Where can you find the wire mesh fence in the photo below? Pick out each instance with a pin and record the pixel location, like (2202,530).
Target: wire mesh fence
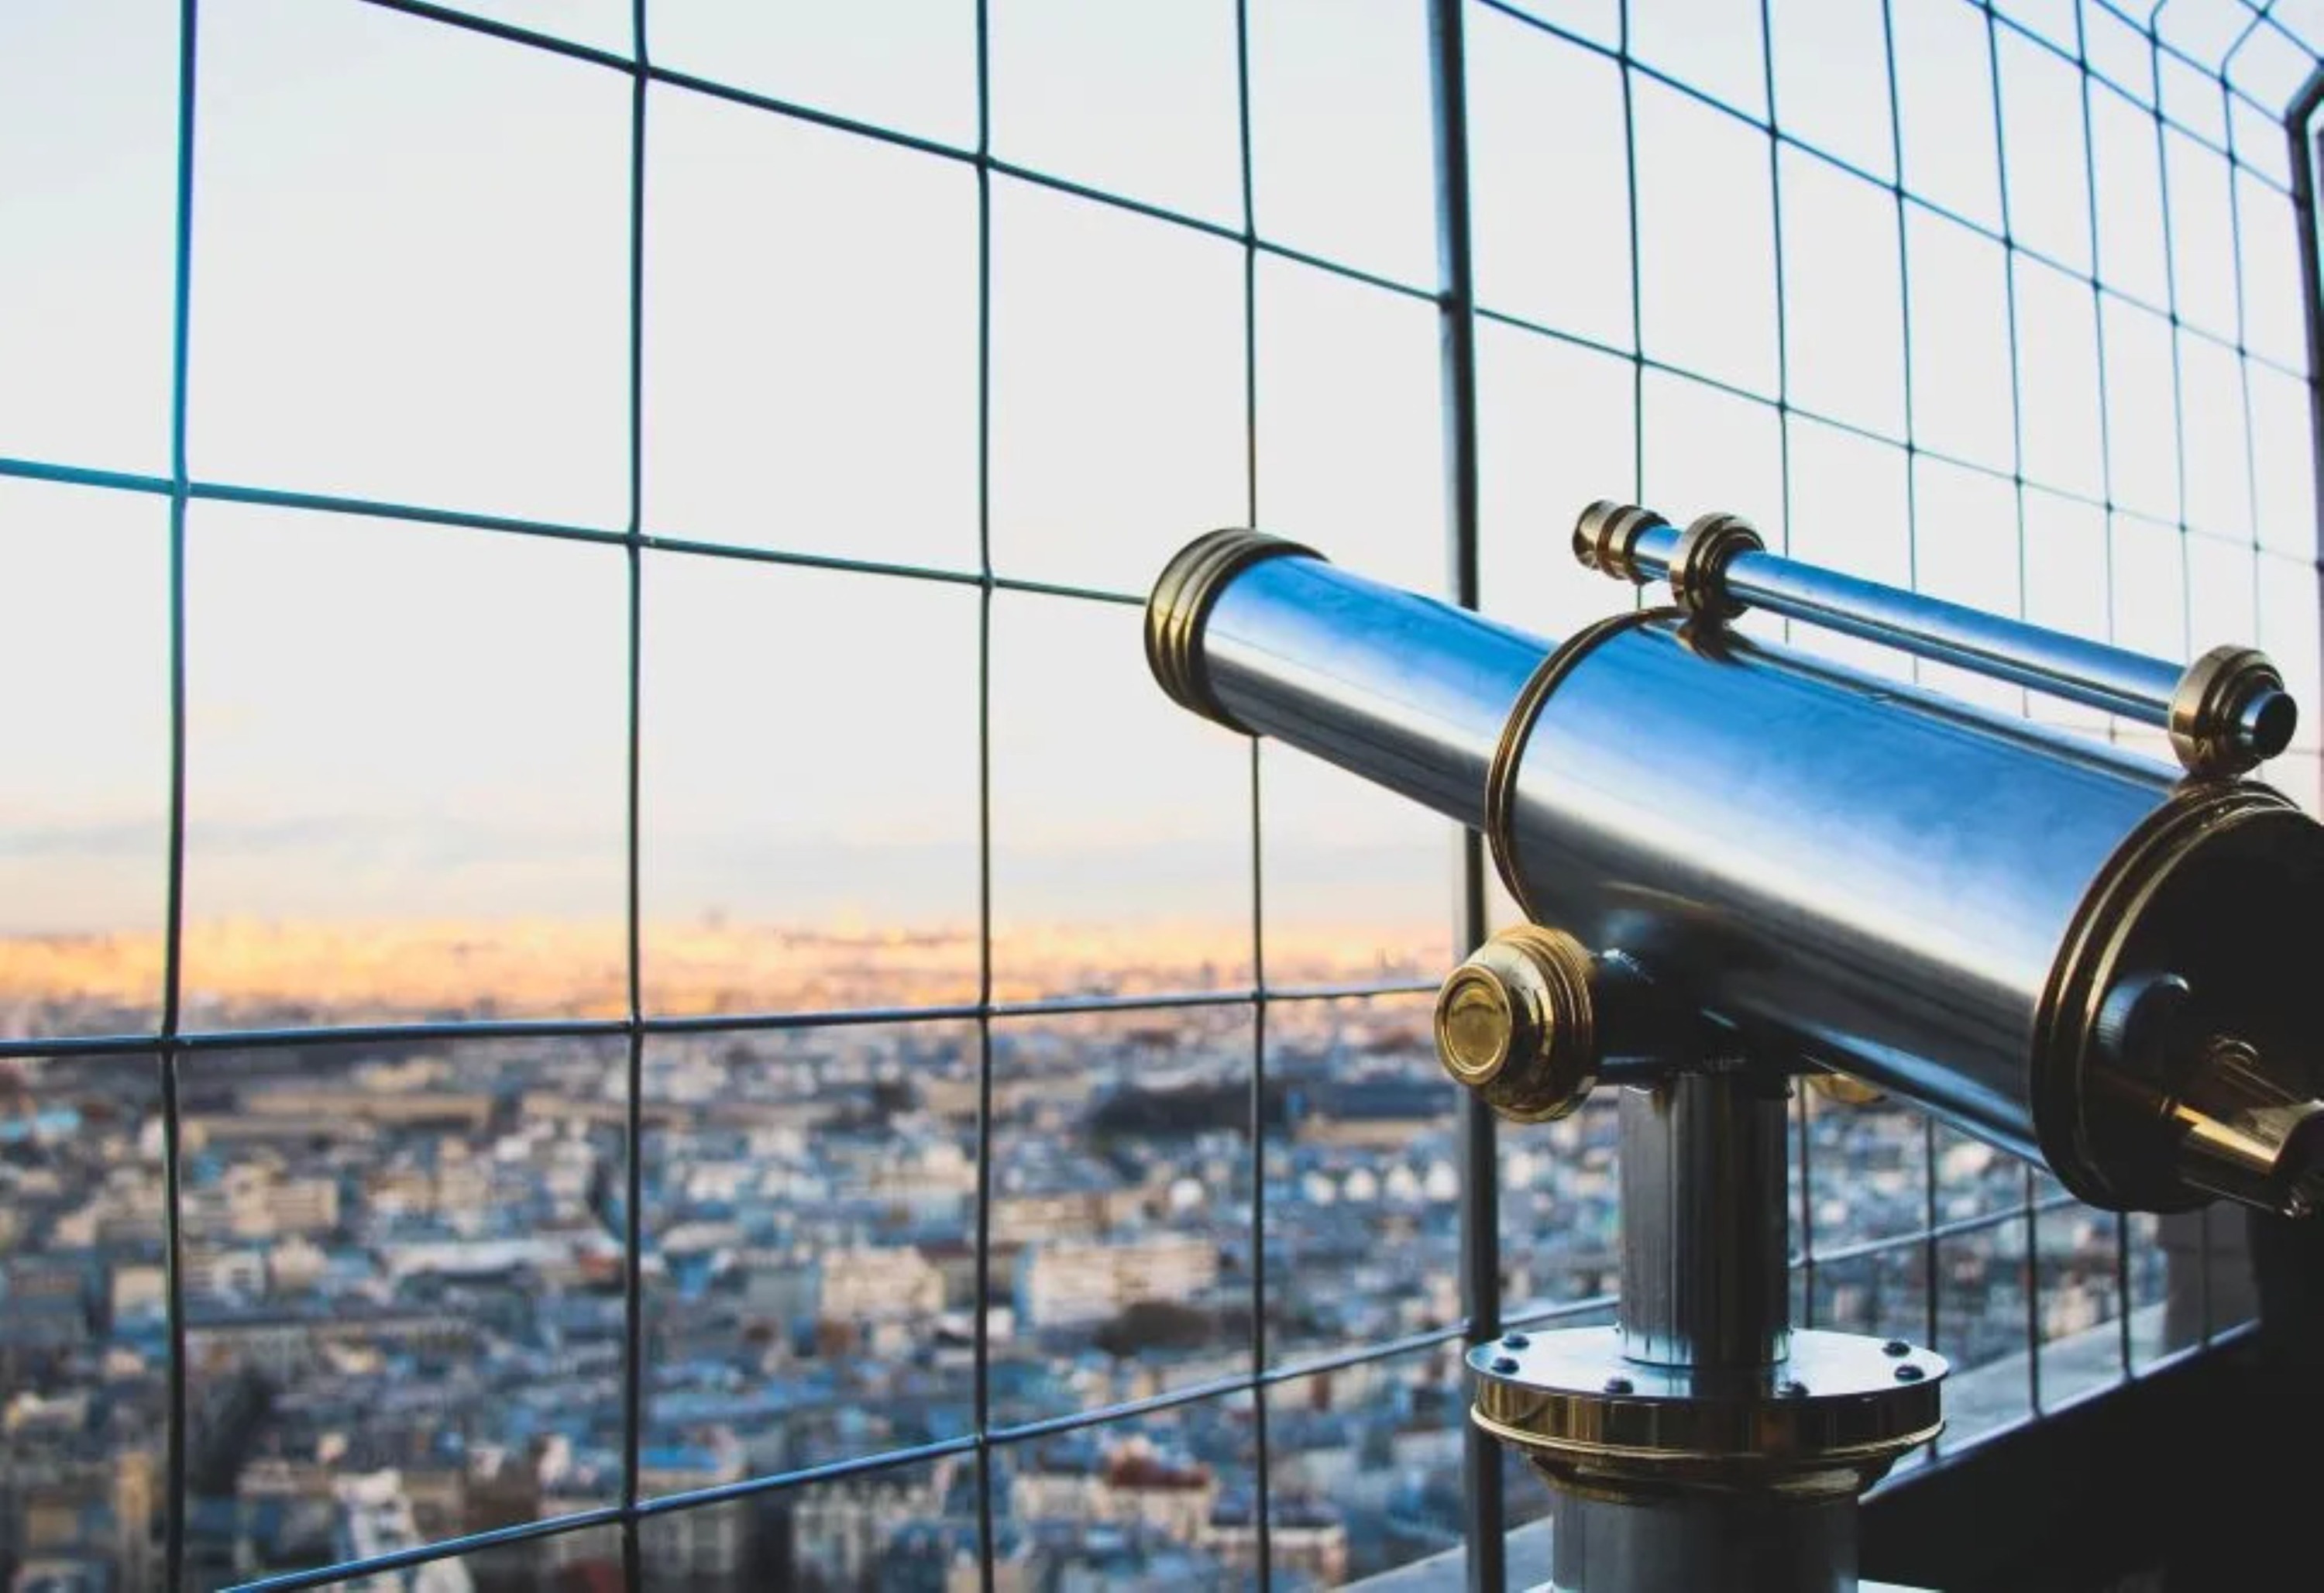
(578,439)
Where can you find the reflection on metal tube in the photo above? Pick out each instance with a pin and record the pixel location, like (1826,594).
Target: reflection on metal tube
(1937,900)
(1704,1278)
(1739,862)
(1266,637)
(2226,713)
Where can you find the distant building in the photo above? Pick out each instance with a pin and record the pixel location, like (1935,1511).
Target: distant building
(930,1176)
(840,1531)
(79,1526)
(470,1110)
(281,1345)
(219,1272)
(1306,1538)
(374,1518)
(1136,1485)
(1384,1114)
(138,1288)
(256,1199)
(1036,1216)
(776,1284)
(706,1548)
(50,1575)
(870,1284)
(1067,1283)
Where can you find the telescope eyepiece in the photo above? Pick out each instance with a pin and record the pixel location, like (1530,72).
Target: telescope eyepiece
(2267,722)
(2230,712)
(2248,1136)
(2235,1125)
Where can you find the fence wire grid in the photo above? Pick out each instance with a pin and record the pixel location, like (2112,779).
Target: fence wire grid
(2088,199)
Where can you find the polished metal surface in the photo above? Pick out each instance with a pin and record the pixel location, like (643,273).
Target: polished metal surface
(1839,1403)
(1861,873)
(1531,1023)
(1700,1443)
(1768,1543)
(1932,899)
(1180,608)
(1935,899)
(1701,1386)
(1733,1458)
(2227,713)
(1516,1023)
(1406,691)
(1697,1443)
(1501,774)
(2213,895)
(1607,533)
(2092,673)
(2230,712)
(2247,1135)
(1704,1280)
(1699,561)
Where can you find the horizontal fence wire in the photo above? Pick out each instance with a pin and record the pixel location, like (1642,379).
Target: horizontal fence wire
(379,1034)
(742,552)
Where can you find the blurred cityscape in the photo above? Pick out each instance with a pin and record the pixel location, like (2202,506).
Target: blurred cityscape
(405,1317)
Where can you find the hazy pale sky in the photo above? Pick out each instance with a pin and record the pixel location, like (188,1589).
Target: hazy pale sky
(411,283)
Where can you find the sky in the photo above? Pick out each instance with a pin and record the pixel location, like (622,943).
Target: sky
(411,283)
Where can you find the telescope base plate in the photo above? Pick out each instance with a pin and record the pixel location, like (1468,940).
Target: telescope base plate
(1831,1417)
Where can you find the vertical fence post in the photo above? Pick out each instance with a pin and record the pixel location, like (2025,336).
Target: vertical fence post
(1262,1492)
(634,1221)
(2304,152)
(1481,1282)
(980,1326)
(177,1507)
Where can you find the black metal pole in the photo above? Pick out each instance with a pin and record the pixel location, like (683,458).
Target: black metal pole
(2304,154)
(1480,1279)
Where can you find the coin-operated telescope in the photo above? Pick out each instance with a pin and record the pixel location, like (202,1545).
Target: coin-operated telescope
(1743,865)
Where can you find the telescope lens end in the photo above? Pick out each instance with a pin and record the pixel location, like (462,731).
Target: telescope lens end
(1181,602)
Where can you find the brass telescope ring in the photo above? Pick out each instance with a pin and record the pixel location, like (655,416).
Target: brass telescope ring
(1509,752)
(1182,599)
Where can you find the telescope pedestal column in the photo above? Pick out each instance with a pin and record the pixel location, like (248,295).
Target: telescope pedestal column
(1701,1541)
(1702,1443)
(1705,1274)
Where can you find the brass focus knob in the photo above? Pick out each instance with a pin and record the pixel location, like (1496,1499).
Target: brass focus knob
(1516,1023)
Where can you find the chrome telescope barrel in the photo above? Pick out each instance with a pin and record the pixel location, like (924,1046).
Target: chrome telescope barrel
(1265,638)
(2226,713)
(2063,947)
